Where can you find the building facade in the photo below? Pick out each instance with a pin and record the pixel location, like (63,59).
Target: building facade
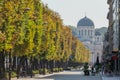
(91,39)
(111,53)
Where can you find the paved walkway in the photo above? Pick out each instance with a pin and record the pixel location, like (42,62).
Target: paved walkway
(110,78)
(40,76)
(72,75)
(65,75)
(69,75)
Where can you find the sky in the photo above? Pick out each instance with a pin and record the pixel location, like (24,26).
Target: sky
(71,11)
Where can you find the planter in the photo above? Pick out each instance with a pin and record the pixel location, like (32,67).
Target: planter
(86,73)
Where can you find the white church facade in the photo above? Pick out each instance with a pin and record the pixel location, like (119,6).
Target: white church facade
(91,39)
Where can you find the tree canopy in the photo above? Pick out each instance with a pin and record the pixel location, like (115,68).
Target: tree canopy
(30,28)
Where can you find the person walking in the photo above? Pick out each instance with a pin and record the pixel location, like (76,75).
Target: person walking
(93,70)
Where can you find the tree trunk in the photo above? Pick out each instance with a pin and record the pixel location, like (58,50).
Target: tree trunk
(2,66)
(14,63)
(20,65)
(44,66)
(10,64)
(27,68)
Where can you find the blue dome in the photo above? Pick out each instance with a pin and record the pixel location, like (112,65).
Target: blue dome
(85,22)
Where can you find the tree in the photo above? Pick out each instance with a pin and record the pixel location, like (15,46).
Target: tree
(97,64)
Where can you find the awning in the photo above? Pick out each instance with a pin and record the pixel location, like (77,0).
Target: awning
(114,52)
(114,57)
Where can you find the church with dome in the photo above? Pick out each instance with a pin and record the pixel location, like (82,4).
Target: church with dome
(90,38)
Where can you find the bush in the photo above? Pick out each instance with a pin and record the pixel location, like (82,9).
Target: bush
(86,66)
(55,69)
(41,71)
(35,71)
(13,74)
(60,69)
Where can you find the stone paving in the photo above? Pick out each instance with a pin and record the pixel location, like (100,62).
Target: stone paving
(110,78)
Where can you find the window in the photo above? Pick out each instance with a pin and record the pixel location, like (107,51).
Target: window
(85,32)
(98,39)
(91,32)
(79,32)
(98,54)
(82,32)
(88,32)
